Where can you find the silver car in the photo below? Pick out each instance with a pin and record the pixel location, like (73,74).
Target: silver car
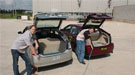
(54,46)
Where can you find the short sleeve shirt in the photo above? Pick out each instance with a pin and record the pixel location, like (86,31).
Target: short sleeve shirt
(81,36)
(22,42)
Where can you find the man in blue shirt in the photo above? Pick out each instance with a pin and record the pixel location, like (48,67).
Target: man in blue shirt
(19,47)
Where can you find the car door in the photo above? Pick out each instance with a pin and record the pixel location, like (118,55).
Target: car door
(71,32)
(74,32)
(66,30)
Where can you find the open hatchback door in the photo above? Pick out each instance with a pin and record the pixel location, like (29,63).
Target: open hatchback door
(95,20)
(42,21)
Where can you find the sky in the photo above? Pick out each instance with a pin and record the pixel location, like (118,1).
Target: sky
(16,4)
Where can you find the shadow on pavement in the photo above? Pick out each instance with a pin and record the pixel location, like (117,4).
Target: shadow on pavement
(46,68)
(23,72)
(98,57)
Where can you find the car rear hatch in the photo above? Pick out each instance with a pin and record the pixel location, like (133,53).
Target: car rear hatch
(43,21)
(101,39)
(50,39)
(95,20)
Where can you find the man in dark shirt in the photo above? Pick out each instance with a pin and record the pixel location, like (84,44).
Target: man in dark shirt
(82,38)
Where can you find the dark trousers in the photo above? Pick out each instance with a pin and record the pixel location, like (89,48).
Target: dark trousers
(15,56)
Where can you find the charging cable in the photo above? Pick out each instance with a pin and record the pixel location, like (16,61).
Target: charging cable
(88,62)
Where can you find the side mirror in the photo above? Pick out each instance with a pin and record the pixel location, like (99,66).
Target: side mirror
(20,32)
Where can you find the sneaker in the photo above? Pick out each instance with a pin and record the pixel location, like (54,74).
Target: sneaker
(83,62)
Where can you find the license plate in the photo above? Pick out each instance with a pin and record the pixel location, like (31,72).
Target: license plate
(56,57)
(103,49)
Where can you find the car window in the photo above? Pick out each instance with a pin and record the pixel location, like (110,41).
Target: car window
(47,23)
(94,21)
(68,29)
(74,30)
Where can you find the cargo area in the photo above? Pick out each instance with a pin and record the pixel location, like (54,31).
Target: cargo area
(51,43)
(100,39)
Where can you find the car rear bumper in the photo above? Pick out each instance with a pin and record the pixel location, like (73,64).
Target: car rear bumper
(46,60)
(99,50)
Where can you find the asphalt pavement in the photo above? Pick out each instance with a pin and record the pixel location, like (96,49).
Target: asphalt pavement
(120,62)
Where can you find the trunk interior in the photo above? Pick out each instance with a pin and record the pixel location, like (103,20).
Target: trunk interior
(51,42)
(100,39)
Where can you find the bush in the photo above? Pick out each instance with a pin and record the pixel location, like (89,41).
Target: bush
(11,16)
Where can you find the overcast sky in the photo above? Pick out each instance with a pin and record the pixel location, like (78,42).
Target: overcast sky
(18,4)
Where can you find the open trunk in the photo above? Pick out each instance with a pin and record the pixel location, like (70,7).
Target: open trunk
(100,39)
(51,43)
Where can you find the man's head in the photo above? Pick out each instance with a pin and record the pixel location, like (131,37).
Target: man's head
(33,29)
(91,30)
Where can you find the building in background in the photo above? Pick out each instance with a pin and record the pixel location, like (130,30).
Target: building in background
(77,7)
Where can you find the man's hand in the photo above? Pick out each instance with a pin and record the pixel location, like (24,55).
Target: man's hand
(92,47)
(36,55)
(33,51)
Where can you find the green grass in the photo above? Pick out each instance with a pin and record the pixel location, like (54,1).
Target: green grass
(11,16)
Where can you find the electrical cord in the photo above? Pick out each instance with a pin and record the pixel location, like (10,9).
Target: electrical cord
(36,73)
(88,62)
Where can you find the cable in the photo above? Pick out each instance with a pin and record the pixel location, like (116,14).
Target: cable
(36,73)
(88,62)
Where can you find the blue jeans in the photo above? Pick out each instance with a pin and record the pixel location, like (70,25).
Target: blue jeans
(15,56)
(80,50)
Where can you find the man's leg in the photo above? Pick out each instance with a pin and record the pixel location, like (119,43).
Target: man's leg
(82,51)
(15,56)
(79,50)
(27,62)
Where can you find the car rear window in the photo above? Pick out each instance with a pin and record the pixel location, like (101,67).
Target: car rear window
(47,23)
(94,21)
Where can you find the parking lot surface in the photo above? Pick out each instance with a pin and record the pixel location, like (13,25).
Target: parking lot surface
(120,62)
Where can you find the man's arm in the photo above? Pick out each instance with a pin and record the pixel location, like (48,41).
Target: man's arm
(35,41)
(89,42)
(33,50)
(36,44)
(87,38)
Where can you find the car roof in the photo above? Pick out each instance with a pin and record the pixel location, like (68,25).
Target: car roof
(98,16)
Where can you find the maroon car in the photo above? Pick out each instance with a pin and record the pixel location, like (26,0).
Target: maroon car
(101,39)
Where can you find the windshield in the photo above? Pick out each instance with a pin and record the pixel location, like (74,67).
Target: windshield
(94,22)
(47,23)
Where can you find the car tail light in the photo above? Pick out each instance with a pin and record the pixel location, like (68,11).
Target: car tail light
(69,46)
